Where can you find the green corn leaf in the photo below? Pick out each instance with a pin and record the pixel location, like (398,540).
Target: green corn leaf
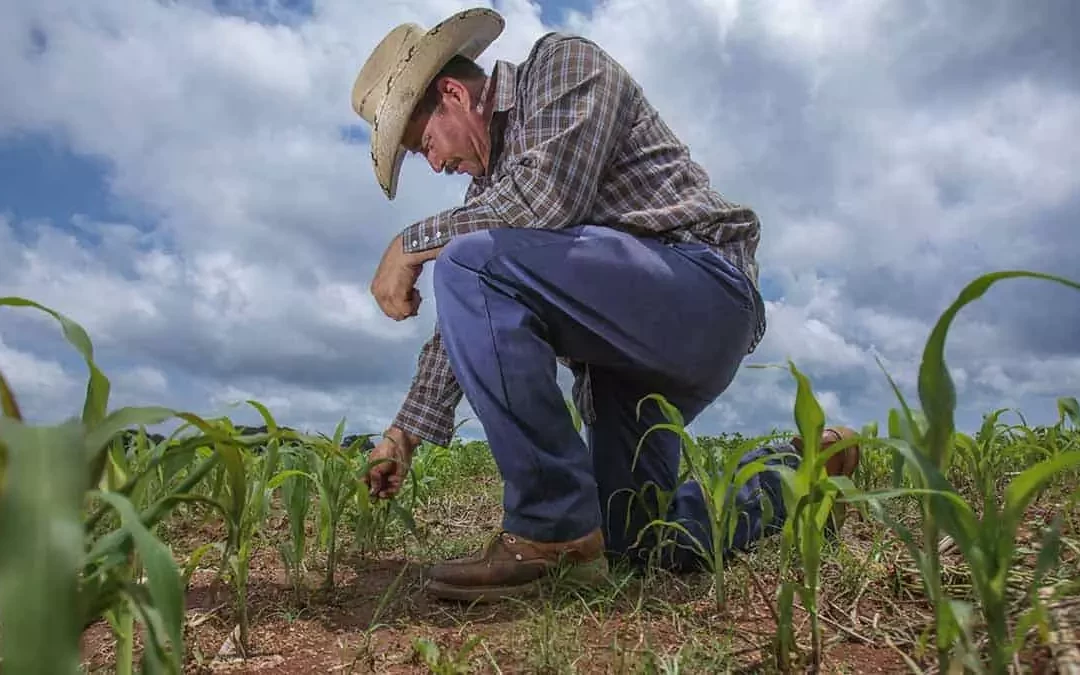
(339,432)
(951,511)
(1024,487)
(271,423)
(694,544)
(282,476)
(173,461)
(936,391)
(809,417)
(884,495)
(896,424)
(41,547)
(163,576)
(404,516)
(9,408)
(196,557)
(117,467)
(1049,550)
(101,435)
(232,458)
(156,512)
(8,405)
(676,428)
(1069,408)
(116,422)
(97,388)
(897,459)
(575,415)
(156,659)
(670,412)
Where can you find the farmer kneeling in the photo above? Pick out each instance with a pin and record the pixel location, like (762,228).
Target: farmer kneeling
(588,236)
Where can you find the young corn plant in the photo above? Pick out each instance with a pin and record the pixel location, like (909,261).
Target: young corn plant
(372,518)
(252,478)
(987,543)
(61,569)
(1062,436)
(335,472)
(720,478)
(986,456)
(296,493)
(123,463)
(810,497)
(428,461)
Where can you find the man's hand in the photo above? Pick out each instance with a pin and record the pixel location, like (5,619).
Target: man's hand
(385,479)
(394,285)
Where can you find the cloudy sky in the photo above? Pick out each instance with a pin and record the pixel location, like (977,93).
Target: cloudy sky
(188,181)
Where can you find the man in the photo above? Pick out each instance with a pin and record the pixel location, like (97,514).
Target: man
(588,236)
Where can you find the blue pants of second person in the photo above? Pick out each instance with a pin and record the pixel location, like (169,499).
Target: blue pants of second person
(648,317)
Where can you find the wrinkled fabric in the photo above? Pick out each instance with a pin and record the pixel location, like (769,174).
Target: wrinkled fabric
(648,317)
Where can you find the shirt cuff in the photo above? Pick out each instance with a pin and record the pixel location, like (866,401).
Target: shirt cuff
(431,232)
(435,430)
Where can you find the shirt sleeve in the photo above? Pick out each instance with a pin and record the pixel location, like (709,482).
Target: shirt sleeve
(428,410)
(572,108)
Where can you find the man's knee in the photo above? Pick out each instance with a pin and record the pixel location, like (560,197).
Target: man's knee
(474,251)
(470,251)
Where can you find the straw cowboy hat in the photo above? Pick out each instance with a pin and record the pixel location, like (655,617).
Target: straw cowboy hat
(398,71)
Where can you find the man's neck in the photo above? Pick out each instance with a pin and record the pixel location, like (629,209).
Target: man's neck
(487,112)
(487,98)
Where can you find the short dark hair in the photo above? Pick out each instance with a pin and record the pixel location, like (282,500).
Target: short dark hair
(459,68)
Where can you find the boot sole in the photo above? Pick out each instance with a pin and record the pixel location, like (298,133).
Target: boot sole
(481,594)
(584,573)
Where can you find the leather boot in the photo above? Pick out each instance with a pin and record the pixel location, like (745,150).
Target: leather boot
(512,566)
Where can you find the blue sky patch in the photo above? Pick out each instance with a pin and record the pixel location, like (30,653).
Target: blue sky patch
(43,180)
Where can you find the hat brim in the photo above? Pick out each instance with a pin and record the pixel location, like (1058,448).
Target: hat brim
(467,33)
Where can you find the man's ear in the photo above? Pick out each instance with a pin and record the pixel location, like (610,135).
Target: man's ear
(454,91)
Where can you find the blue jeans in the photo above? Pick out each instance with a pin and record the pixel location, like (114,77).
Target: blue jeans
(647,317)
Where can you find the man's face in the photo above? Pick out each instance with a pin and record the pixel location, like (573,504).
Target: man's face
(453,137)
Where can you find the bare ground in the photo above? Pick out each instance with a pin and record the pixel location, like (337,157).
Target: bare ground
(872,610)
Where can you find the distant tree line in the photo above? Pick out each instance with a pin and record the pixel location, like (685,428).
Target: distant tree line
(130,435)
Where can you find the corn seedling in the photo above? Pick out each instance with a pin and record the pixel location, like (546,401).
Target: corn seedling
(296,492)
(373,517)
(810,501)
(251,480)
(61,571)
(124,462)
(445,663)
(336,472)
(720,478)
(986,456)
(988,544)
(428,461)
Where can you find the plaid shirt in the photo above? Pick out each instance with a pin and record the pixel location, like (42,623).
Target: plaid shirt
(574,141)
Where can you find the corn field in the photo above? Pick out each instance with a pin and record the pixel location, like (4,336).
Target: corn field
(97,520)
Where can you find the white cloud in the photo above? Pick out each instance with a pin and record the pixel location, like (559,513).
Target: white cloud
(143,379)
(887,168)
(37,383)
(811,341)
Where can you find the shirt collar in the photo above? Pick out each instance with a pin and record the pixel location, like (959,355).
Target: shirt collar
(505,74)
